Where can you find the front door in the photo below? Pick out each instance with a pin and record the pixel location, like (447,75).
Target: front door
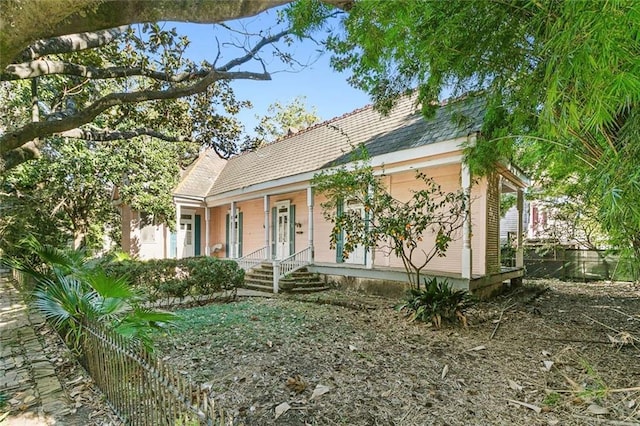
(186,229)
(357,256)
(283,230)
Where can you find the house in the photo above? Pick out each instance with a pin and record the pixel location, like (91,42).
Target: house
(261,206)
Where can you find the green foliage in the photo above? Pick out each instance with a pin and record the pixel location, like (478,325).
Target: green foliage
(163,278)
(552,399)
(568,115)
(72,290)
(506,202)
(437,301)
(280,118)
(58,198)
(401,226)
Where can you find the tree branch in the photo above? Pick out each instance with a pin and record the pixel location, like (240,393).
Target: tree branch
(17,138)
(254,50)
(43,67)
(70,43)
(101,135)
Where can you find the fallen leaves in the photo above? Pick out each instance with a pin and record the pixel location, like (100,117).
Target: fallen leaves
(526,405)
(515,386)
(319,391)
(597,409)
(281,409)
(296,384)
(360,364)
(445,370)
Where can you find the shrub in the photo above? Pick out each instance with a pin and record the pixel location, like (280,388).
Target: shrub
(194,276)
(72,290)
(437,301)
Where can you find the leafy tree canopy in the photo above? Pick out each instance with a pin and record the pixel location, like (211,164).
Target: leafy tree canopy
(282,118)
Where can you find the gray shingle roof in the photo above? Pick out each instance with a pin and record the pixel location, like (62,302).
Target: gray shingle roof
(200,176)
(331,142)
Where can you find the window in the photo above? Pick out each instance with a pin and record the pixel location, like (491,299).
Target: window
(147,228)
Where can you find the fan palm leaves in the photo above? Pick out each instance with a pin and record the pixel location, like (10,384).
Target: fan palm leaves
(72,290)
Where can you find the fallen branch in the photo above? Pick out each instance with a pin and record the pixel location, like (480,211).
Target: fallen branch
(526,405)
(495,329)
(610,328)
(551,339)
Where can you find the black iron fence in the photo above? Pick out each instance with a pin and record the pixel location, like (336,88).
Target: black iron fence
(141,388)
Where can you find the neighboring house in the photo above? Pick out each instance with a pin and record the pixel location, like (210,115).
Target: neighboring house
(509,223)
(260,205)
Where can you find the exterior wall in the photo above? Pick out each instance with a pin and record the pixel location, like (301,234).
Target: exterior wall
(401,187)
(125,220)
(484,213)
(322,234)
(253,222)
(217,229)
(148,242)
(252,225)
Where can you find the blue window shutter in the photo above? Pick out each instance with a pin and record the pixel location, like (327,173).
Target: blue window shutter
(340,239)
(240,234)
(226,238)
(196,236)
(274,224)
(292,229)
(173,245)
(366,226)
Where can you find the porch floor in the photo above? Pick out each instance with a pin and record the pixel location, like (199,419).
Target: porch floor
(477,283)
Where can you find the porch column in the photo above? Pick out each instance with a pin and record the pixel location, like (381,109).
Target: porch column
(466,223)
(370,251)
(310,224)
(179,242)
(267,243)
(207,249)
(520,228)
(233,252)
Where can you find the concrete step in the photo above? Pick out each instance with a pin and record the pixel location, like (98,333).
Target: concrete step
(258,275)
(258,281)
(302,290)
(257,287)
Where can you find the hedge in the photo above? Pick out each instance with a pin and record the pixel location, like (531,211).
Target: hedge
(193,276)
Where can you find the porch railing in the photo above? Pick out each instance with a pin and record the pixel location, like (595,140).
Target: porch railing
(254,258)
(290,264)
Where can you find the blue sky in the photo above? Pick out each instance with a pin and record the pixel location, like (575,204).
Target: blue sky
(323,87)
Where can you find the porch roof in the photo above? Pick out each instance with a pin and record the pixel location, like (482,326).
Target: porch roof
(330,143)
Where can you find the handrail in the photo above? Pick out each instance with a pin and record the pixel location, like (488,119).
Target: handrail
(254,258)
(294,262)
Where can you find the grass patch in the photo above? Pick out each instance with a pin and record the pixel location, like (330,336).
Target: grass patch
(248,324)
(552,399)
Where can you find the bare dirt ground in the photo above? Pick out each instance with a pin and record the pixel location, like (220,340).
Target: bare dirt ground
(548,353)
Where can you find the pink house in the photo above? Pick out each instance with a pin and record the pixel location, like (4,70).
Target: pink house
(260,206)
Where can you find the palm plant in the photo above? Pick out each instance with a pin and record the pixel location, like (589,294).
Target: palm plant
(438,300)
(72,291)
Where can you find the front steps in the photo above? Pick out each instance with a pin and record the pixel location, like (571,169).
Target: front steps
(300,281)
